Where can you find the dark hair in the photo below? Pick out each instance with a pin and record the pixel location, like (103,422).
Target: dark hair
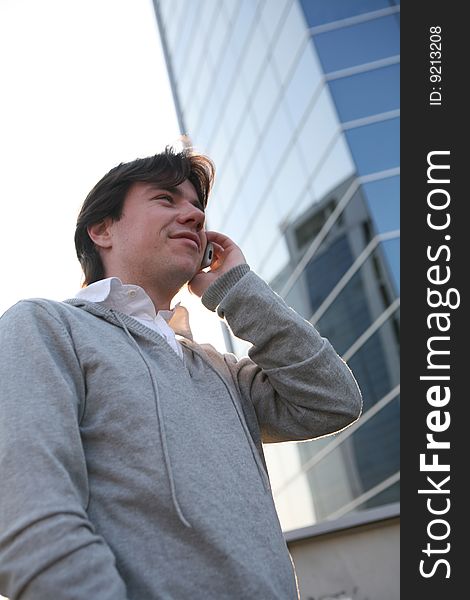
(166,169)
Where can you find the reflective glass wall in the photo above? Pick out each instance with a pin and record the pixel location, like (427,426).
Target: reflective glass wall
(297,102)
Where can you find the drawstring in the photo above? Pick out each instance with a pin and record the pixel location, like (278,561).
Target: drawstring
(241,417)
(166,454)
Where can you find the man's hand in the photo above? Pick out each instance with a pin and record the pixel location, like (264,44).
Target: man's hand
(226,256)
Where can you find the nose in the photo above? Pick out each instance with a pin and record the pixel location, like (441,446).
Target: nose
(191,214)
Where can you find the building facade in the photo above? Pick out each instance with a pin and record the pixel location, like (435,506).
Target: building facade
(297,103)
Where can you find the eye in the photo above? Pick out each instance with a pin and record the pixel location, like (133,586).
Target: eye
(165,197)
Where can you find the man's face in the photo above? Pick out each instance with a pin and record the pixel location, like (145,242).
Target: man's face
(159,237)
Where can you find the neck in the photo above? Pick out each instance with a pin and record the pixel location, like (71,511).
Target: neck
(161,301)
(161,292)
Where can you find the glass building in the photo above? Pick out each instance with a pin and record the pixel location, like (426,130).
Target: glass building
(297,103)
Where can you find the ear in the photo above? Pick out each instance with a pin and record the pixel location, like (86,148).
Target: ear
(100,233)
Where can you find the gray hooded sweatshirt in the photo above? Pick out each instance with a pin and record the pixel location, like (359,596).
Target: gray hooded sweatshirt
(128,473)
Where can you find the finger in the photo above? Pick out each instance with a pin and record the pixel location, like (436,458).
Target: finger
(218,249)
(219,238)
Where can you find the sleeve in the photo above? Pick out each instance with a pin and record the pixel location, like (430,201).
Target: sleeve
(300,388)
(48,547)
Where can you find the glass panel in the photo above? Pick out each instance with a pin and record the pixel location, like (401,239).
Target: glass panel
(276,140)
(185,84)
(202,135)
(227,65)
(251,250)
(387,496)
(332,260)
(265,96)
(391,250)
(318,129)
(244,206)
(200,67)
(367,93)
(303,84)
(217,38)
(274,261)
(294,504)
(227,182)
(234,108)
(227,69)
(290,39)
(371,454)
(289,183)
(231,7)
(210,108)
(253,59)
(214,211)
(165,7)
(358,304)
(192,113)
(335,168)
(318,13)
(375,147)
(246,141)
(186,35)
(265,225)
(383,201)
(329,161)
(361,462)
(321,275)
(271,14)
(202,83)
(272,255)
(218,144)
(376,364)
(358,44)
(194,53)
(245,17)
(367,292)
(175,21)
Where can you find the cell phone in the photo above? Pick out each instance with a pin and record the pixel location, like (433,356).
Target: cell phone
(208,256)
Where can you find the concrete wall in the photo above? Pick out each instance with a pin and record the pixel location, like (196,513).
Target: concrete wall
(355,563)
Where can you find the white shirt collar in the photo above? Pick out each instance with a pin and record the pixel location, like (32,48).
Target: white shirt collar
(127,298)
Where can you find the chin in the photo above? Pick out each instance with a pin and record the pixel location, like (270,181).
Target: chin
(186,269)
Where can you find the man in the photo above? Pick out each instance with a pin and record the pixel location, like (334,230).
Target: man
(131,462)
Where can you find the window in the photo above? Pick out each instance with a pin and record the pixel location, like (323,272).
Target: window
(391,250)
(253,59)
(234,109)
(358,44)
(303,84)
(289,40)
(383,201)
(289,185)
(336,167)
(277,135)
(368,93)
(185,38)
(366,459)
(271,14)
(244,18)
(375,147)
(245,199)
(318,129)
(265,96)
(326,11)
(245,142)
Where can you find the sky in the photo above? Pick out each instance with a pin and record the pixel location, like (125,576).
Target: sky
(84,87)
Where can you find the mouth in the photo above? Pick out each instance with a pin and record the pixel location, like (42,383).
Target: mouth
(188,235)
